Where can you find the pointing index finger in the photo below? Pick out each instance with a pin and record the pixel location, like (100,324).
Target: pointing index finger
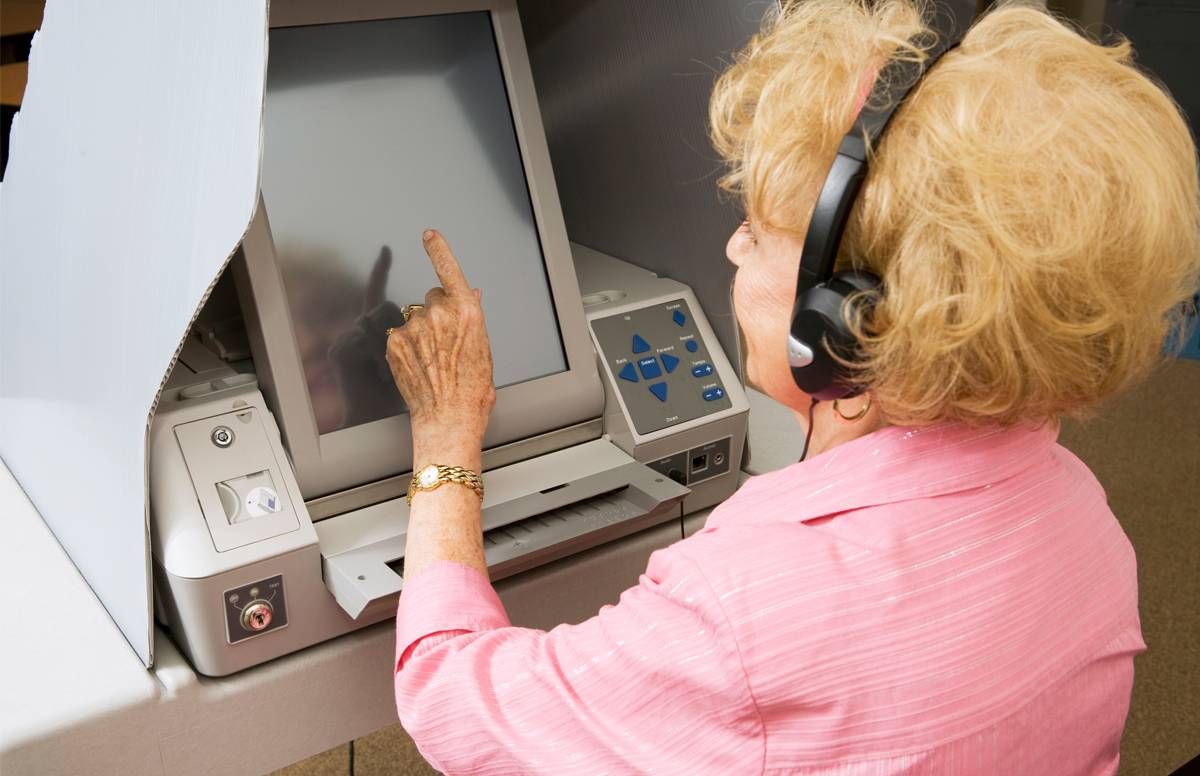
(444,264)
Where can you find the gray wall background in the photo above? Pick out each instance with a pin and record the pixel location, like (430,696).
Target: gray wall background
(624,87)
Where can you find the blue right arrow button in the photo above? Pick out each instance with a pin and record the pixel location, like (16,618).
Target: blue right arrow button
(659,390)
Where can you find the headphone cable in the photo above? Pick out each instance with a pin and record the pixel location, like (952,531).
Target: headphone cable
(808,434)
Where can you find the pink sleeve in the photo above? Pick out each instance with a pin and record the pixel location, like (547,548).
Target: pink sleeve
(654,683)
(445,599)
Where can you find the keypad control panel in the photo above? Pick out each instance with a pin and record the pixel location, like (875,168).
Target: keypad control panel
(661,364)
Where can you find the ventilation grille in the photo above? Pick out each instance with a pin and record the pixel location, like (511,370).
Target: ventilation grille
(593,513)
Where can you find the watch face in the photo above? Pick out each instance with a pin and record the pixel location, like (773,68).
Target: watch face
(428,476)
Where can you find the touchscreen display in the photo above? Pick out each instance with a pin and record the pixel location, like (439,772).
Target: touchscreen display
(373,132)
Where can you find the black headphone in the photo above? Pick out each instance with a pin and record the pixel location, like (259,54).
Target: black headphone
(820,333)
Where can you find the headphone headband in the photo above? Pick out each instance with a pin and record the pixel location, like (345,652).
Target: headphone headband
(820,341)
(849,170)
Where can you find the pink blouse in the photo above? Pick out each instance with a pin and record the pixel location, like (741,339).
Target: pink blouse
(939,600)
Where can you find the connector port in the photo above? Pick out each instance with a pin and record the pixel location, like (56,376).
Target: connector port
(699,463)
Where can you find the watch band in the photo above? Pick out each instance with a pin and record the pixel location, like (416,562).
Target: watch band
(434,475)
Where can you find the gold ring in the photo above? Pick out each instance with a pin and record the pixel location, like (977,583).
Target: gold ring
(408,309)
(392,329)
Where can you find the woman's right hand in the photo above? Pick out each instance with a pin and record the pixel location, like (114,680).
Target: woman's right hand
(441,361)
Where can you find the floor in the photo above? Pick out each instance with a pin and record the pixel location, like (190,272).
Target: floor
(388,752)
(1155,495)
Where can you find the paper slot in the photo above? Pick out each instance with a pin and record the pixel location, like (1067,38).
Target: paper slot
(248,497)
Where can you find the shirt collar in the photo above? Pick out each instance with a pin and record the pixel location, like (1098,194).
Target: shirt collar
(887,466)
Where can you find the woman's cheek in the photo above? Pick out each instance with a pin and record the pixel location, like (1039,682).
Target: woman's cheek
(764,310)
(764,325)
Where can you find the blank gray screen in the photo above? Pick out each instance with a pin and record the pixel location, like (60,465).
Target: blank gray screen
(375,131)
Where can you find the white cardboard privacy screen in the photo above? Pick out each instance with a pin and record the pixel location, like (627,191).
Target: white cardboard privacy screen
(132,176)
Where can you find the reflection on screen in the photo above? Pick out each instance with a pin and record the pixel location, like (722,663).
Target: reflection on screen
(375,131)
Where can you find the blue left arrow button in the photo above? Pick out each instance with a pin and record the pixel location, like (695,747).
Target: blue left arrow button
(628,373)
(659,390)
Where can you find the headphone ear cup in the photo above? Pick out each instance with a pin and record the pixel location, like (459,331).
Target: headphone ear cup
(855,280)
(820,322)
(861,290)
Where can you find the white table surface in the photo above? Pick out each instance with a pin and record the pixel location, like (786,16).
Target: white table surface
(74,698)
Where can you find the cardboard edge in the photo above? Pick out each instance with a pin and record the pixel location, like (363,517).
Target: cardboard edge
(174,359)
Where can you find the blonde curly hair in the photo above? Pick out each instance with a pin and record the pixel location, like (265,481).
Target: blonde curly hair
(1033,209)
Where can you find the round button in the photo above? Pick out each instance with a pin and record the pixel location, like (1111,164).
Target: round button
(222,436)
(257,615)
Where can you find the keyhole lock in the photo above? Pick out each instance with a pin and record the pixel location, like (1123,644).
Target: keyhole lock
(222,436)
(257,615)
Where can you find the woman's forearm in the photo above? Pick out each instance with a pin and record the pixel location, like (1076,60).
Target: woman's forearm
(445,523)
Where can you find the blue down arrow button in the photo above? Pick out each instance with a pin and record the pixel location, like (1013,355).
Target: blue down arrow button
(659,390)
(628,373)
(669,362)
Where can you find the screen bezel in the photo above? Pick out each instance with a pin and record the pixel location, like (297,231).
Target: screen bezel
(350,457)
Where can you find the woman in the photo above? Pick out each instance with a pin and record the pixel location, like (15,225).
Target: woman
(938,587)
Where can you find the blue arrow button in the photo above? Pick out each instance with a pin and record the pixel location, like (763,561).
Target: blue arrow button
(659,390)
(640,345)
(669,362)
(679,318)
(628,373)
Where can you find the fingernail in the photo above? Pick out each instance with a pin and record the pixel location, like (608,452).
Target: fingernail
(427,235)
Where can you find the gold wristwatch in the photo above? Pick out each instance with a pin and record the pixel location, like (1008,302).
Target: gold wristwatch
(434,475)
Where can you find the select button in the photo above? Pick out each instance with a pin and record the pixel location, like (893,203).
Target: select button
(649,368)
